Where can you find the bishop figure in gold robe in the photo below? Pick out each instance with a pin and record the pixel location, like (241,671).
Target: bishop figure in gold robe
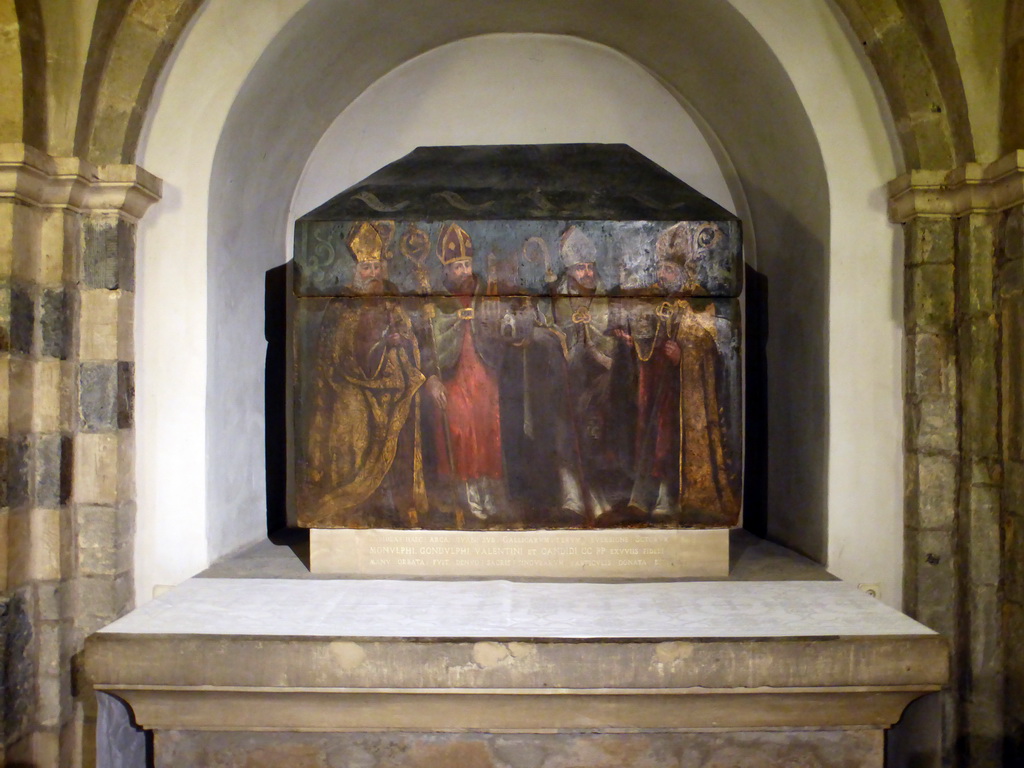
(364,465)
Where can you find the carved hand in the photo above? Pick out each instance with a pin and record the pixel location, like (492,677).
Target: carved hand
(436,391)
(672,351)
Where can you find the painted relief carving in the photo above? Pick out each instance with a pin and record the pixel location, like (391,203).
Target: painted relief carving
(517,337)
(363,456)
(500,374)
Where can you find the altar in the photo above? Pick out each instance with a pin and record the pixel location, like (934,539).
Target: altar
(373,672)
(515,441)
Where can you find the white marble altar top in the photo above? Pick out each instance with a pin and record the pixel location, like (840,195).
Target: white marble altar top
(515,610)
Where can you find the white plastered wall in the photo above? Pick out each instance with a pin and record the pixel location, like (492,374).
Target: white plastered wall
(519,89)
(180,531)
(179,142)
(865,358)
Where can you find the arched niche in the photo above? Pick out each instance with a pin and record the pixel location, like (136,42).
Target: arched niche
(790,118)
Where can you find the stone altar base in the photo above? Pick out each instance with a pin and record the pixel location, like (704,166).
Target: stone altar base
(332,673)
(568,554)
(763,749)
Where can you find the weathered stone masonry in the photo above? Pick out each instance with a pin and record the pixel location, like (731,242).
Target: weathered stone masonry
(962,394)
(66,298)
(1011,393)
(66,529)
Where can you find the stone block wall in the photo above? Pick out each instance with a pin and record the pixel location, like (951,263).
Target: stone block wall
(932,436)
(66,392)
(964,405)
(1010,308)
(38,454)
(979,529)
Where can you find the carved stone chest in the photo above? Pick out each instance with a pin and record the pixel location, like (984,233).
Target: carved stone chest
(505,338)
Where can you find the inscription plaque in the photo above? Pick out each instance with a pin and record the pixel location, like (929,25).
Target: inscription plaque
(636,553)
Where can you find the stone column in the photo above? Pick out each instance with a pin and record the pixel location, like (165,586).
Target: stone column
(67,570)
(960,389)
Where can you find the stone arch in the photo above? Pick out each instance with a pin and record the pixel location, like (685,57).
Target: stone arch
(1012,128)
(22,69)
(662,40)
(902,40)
(122,73)
(912,56)
(105,27)
(11,85)
(903,57)
(132,43)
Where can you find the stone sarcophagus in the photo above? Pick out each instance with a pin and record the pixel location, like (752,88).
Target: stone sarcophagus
(517,338)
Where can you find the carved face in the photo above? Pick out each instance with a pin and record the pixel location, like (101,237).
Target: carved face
(458,276)
(670,276)
(369,277)
(583,275)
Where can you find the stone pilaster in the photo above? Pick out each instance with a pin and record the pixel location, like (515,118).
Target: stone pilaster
(964,383)
(932,437)
(36,525)
(103,471)
(980,530)
(1010,292)
(65,426)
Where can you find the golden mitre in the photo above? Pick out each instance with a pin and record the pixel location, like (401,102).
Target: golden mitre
(576,247)
(453,244)
(365,242)
(675,245)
